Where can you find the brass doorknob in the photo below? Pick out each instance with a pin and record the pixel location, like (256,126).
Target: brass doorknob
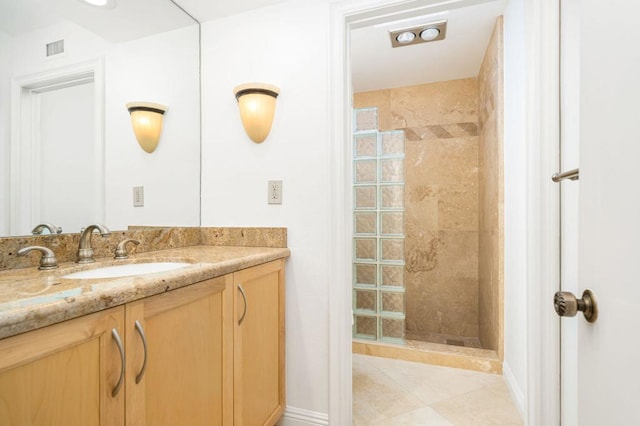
(567,305)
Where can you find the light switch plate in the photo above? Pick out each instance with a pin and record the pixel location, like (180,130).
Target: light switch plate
(138,196)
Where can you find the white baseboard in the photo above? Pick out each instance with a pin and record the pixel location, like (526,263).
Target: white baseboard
(299,417)
(516,392)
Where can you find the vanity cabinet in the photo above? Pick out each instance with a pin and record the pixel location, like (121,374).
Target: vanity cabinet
(258,342)
(188,372)
(211,353)
(64,374)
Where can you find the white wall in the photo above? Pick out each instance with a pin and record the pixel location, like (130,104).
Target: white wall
(515,203)
(161,69)
(286,45)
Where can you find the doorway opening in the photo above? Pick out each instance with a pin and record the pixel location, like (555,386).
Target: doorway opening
(57,143)
(427,172)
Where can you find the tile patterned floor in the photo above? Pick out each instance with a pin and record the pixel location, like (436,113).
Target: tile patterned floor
(396,393)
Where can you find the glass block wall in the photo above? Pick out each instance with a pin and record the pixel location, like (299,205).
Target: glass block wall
(378,242)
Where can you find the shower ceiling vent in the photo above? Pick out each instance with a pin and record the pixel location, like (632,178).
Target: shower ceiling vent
(432,31)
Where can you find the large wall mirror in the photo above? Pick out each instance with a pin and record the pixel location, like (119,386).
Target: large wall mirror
(68,154)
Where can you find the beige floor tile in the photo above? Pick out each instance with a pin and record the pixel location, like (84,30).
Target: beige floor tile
(395,392)
(489,405)
(422,416)
(376,396)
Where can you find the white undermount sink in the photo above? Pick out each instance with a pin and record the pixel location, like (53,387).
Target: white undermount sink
(127,270)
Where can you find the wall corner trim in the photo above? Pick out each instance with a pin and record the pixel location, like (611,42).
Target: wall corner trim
(294,416)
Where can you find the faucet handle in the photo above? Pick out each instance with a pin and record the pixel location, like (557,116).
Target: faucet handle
(47,261)
(121,249)
(42,226)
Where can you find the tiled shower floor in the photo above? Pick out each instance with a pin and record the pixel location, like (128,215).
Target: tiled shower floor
(393,392)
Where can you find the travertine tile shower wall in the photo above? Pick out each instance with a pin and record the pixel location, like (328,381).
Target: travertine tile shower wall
(491,195)
(441,200)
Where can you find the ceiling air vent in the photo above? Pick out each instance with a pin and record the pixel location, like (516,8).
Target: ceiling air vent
(55,48)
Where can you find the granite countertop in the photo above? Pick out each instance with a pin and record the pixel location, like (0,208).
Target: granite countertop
(31,299)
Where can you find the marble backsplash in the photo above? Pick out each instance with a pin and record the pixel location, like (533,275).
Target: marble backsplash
(65,246)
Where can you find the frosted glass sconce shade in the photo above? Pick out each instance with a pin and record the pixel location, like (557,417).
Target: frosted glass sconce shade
(257,103)
(146,119)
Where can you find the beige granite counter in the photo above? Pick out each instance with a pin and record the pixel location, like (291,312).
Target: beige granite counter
(31,299)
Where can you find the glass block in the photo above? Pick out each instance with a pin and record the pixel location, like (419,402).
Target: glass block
(393,302)
(392,142)
(365,171)
(366,222)
(367,300)
(391,223)
(392,275)
(392,249)
(366,145)
(364,274)
(392,328)
(366,326)
(365,197)
(392,170)
(392,196)
(365,248)
(366,119)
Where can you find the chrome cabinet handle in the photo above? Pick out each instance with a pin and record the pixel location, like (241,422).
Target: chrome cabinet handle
(116,338)
(144,345)
(244,297)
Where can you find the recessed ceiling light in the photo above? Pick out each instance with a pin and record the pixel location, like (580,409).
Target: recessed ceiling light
(405,37)
(430,34)
(103,4)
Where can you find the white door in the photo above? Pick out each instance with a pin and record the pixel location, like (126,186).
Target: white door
(608,373)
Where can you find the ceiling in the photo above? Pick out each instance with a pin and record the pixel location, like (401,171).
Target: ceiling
(376,65)
(132,16)
(129,20)
(206,10)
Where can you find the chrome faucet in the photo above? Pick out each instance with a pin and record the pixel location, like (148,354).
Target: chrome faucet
(51,227)
(85,252)
(48,259)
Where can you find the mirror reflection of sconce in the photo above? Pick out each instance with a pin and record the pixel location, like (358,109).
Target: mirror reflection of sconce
(257,103)
(146,119)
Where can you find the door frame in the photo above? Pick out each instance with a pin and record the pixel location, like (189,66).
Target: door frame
(541,111)
(25,139)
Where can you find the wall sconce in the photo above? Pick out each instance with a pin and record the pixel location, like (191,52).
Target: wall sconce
(146,119)
(257,103)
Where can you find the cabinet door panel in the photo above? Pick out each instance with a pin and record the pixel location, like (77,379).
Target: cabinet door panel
(259,345)
(184,379)
(63,374)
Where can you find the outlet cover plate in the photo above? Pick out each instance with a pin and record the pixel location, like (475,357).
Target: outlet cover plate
(274,193)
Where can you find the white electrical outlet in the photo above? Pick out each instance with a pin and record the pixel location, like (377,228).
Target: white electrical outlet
(138,196)
(275,192)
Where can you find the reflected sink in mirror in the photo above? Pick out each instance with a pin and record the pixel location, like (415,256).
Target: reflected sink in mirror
(127,270)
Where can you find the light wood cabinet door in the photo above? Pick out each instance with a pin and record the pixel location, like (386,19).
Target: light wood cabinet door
(64,374)
(259,357)
(189,365)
